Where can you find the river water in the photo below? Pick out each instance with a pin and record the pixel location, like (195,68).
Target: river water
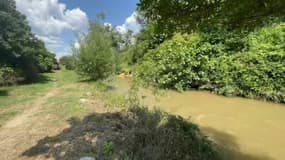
(249,129)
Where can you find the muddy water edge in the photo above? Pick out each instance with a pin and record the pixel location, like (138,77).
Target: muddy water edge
(249,129)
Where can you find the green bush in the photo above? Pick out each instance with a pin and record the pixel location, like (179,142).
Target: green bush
(7,76)
(46,62)
(250,65)
(69,62)
(96,56)
(178,63)
(108,148)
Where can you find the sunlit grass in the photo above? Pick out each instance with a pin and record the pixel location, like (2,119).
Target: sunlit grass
(19,97)
(65,103)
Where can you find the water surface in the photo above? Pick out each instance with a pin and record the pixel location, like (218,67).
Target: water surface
(251,129)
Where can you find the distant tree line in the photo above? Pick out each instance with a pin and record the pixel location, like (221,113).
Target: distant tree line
(22,55)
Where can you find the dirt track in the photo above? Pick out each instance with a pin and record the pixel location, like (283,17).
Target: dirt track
(24,130)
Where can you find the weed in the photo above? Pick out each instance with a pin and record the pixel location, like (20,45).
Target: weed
(108,148)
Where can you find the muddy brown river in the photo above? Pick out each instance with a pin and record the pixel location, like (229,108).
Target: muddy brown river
(250,129)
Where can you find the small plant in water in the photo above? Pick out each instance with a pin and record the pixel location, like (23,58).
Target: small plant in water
(108,148)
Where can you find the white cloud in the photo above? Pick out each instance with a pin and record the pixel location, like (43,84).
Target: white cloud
(52,42)
(50,18)
(131,23)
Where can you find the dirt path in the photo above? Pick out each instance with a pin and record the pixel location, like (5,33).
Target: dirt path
(26,129)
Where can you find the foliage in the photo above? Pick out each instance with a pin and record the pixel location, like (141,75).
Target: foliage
(149,38)
(250,65)
(108,148)
(96,56)
(19,47)
(68,61)
(186,15)
(7,76)
(46,61)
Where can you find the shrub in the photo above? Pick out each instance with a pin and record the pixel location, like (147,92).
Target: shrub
(69,62)
(251,67)
(96,57)
(178,63)
(7,76)
(108,148)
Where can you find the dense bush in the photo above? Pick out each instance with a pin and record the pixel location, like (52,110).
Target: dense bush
(253,66)
(174,64)
(7,76)
(69,62)
(46,62)
(96,55)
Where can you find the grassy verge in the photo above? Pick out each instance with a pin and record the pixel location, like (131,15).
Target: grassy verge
(65,104)
(18,98)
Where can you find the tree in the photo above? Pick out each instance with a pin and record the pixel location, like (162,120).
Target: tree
(19,47)
(149,38)
(96,55)
(188,15)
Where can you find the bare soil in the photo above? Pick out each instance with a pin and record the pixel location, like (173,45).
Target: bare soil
(26,129)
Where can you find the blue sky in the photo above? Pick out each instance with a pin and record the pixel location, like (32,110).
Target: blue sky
(116,10)
(57,21)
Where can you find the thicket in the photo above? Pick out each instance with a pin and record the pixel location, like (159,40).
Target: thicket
(20,50)
(69,62)
(231,48)
(7,76)
(250,65)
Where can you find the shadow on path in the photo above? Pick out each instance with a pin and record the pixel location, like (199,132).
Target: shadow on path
(136,134)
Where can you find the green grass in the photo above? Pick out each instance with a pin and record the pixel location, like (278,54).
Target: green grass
(66,77)
(17,98)
(110,98)
(67,104)
(70,89)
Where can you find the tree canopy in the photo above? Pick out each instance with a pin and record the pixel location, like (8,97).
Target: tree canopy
(19,47)
(189,15)
(225,46)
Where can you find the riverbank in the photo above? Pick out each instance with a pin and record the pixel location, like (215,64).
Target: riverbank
(250,127)
(68,118)
(53,117)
